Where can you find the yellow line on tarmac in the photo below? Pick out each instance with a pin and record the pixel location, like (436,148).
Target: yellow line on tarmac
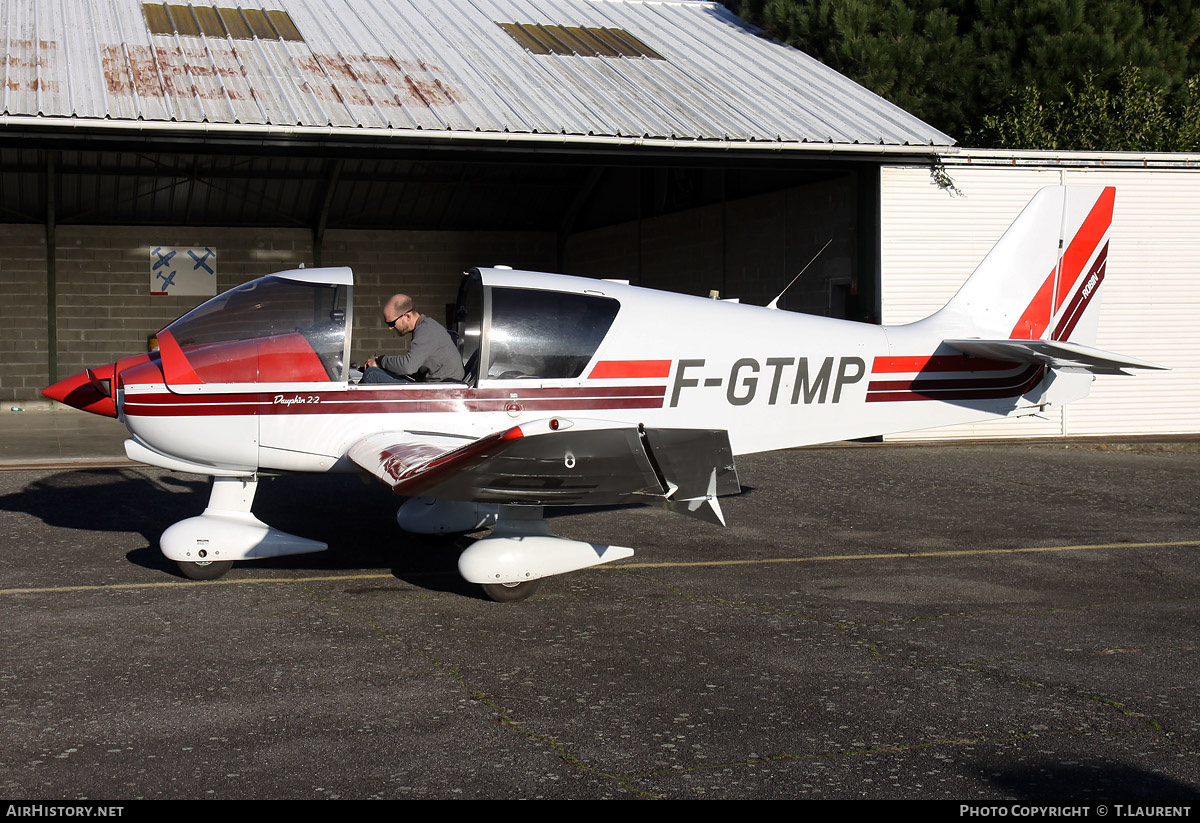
(906,555)
(178,583)
(668,565)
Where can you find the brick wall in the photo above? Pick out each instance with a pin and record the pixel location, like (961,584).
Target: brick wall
(23,339)
(608,252)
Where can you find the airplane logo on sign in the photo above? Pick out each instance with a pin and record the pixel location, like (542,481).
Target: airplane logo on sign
(186,271)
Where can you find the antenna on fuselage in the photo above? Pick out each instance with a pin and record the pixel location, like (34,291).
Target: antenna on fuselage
(774,304)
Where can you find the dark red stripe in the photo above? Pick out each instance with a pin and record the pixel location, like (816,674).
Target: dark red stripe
(406,395)
(988,389)
(1080,301)
(1085,242)
(955,383)
(246,406)
(544,405)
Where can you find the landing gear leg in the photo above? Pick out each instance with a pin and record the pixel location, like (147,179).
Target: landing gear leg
(205,547)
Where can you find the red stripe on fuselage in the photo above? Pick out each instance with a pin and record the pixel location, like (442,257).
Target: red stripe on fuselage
(639,369)
(938,363)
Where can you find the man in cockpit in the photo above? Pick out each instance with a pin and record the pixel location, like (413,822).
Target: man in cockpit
(431,356)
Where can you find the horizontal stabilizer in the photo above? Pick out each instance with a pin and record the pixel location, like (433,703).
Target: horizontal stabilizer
(1057,354)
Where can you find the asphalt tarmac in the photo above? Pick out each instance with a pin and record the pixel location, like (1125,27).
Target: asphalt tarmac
(1005,623)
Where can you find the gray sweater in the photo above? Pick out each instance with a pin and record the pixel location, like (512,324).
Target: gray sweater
(431,347)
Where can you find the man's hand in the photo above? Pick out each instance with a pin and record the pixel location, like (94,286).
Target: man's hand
(370,362)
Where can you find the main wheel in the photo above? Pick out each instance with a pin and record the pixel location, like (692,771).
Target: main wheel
(511,592)
(204,569)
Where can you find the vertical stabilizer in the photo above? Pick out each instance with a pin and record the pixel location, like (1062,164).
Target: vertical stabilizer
(1042,280)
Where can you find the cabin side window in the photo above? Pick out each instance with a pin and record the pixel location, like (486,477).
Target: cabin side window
(545,334)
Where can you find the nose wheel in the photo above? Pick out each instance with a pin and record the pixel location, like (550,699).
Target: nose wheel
(204,569)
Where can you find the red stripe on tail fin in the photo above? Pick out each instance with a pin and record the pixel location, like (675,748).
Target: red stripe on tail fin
(1038,314)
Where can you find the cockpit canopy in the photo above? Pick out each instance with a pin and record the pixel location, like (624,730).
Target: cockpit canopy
(294,327)
(286,328)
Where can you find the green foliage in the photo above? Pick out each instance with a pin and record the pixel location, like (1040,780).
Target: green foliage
(900,50)
(1136,116)
(1087,74)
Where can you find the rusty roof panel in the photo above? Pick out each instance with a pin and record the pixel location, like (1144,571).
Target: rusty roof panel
(686,71)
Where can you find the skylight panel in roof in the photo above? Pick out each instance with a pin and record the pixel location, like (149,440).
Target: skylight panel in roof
(578,41)
(217,21)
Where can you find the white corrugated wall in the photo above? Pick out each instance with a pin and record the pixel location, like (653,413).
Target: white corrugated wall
(932,241)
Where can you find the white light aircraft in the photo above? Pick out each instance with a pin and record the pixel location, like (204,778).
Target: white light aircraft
(586,392)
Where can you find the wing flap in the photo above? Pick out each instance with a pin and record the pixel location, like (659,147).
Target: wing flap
(559,462)
(541,463)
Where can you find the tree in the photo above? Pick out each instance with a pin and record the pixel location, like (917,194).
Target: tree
(1013,73)
(1137,116)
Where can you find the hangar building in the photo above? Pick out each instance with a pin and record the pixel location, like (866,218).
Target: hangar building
(154,152)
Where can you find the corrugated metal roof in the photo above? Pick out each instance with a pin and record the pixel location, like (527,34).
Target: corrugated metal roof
(457,68)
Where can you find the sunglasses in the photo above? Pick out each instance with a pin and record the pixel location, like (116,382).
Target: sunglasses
(391,324)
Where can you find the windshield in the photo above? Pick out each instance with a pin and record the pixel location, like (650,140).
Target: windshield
(268,330)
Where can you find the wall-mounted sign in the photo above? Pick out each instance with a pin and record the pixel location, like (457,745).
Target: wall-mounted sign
(178,270)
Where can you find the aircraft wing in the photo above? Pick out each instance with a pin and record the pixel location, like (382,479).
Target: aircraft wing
(1058,354)
(560,462)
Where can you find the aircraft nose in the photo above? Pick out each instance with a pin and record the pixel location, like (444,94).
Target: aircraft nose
(89,391)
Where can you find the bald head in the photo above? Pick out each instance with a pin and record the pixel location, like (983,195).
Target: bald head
(399,313)
(398,304)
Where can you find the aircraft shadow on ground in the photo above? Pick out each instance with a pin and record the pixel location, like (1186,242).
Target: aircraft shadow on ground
(1055,783)
(357,520)
(353,514)
(109,500)
(553,512)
